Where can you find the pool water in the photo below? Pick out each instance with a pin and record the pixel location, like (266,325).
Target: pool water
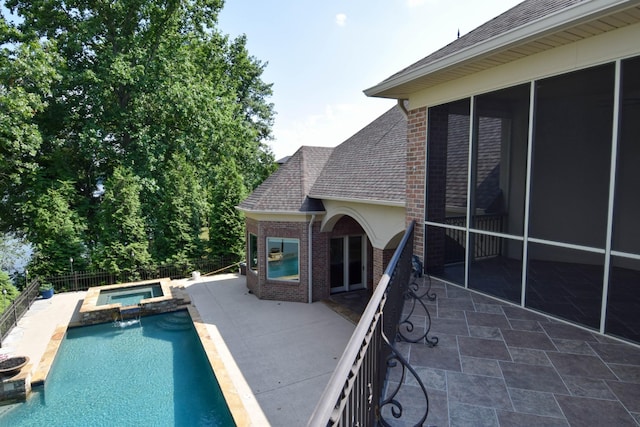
(287,268)
(148,373)
(129,296)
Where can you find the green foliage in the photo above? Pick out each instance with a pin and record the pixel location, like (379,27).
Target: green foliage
(226,236)
(149,98)
(8,292)
(56,232)
(123,242)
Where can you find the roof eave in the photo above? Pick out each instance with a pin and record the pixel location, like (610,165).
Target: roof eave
(279,212)
(565,18)
(394,203)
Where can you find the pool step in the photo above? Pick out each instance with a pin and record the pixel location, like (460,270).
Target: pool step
(178,321)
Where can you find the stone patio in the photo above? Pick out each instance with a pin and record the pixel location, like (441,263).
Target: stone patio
(499,365)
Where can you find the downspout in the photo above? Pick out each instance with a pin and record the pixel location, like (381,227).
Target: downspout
(403,108)
(310,259)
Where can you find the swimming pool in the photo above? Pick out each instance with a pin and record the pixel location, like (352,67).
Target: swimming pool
(152,372)
(129,296)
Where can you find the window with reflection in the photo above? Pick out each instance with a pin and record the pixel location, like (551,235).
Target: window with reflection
(253,252)
(283,259)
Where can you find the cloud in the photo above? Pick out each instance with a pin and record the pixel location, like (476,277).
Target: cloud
(341,19)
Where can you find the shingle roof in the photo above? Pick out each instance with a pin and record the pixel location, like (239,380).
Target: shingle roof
(531,27)
(369,166)
(287,189)
(523,13)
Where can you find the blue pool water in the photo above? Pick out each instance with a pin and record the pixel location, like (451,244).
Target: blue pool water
(152,373)
(129,296)
(287,268)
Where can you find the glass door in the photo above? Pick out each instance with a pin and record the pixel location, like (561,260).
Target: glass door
(348,262)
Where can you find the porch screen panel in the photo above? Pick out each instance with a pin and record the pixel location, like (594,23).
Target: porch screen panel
(623,304)
(626,214)
(446,253)
(566,283)
(447,164)
(500,170)
(498,276)
(572,157)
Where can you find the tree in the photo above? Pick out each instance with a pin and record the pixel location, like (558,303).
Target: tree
(123,239)
(27,71)
(180,209)
(152,87)
(56,232)
(8,292)
(226,235)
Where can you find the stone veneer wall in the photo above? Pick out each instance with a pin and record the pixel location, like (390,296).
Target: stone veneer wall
(17,387)
(416,169)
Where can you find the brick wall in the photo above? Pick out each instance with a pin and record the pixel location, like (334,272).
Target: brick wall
(416,167)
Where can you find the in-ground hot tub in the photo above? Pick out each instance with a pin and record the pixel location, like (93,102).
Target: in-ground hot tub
(130,295)
(116,302)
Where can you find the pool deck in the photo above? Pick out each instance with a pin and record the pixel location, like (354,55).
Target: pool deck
(285,351)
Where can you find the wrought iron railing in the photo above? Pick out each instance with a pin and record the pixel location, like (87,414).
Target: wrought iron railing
(19,306)
(83,280)
(484,245)
(357,393)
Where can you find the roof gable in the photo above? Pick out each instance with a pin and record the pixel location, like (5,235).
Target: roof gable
(287,189)
(370,166)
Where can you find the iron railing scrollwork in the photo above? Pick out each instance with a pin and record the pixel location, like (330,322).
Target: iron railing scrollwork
(359,392)
(416,297)
(391,401)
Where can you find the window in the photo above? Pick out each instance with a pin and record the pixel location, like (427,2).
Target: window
(253,252)
(283,259)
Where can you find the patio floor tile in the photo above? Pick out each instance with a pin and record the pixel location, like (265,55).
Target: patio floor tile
(500,365)
(580,366)
(532,377)
(581,411)
(482,347)
(478,390)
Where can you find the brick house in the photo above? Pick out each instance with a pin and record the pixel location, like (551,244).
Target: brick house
(329,219)
(520,165)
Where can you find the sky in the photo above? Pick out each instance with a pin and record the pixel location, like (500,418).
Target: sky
(322,55)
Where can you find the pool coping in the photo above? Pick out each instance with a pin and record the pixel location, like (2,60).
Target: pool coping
(241,401)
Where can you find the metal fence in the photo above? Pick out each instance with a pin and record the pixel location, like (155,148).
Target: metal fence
(13,313)
(83,280)
(355,391)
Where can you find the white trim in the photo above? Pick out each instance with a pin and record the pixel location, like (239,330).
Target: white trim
(527,193)
(567,245)
(470,182)
(612,191)
(626,255)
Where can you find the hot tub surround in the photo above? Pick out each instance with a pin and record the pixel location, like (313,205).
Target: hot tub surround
(172,299)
